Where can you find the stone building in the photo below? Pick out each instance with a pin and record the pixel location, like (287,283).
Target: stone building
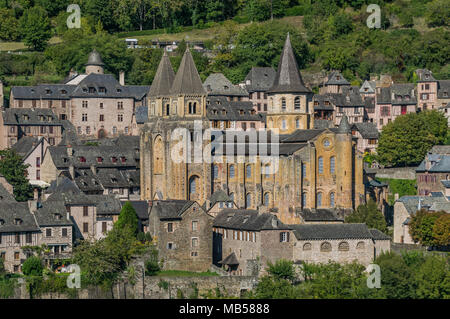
(393,101)
(342,243)
(335,83)
(290,102)
(95,103)
(407,206)
(2,97)
(432,93)
(317,168)
(183,233)
(217,85)
(257,82)
(434,169)
(244,241)
(321,216)
(367,136)
(18,123)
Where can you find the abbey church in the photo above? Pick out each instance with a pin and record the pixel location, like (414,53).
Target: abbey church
(316,168)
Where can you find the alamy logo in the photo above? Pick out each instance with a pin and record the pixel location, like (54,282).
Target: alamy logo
(374,20)
(74,20)
(374,278)
(74,279)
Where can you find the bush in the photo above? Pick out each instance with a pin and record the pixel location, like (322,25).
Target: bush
(32,266)
(151,265)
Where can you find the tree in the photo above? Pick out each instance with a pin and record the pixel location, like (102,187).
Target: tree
(128,218)
(370,215)
(35,28)
(438,13)
(407,139)
(32,266)
(441,230)
(2,266)
(15,172)
(152,264)
(433,278)
(421,226)
(282,269)
(9,30)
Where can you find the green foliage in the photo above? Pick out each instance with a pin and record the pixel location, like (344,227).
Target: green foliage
(32,266)
(438,13)
(128,218)
(370,215)
(9,25)
(2,266)
(441,230)
(282,269)
(401,187)
(152,266)
(162,284)
(407,139)
(15,172)
(422,225)
(35,28)
(7,286)
(144,237)
(433,278)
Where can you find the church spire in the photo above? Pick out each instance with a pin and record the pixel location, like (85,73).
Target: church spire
(164,77)
(187,79)
(288,78)
(344,126)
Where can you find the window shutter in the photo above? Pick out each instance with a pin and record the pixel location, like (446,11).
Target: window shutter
(281,237)
(287,236)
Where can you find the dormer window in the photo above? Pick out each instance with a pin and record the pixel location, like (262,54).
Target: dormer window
(58,216)
(91,90)
(41,118)
(2,222)
(208,87)
(224,112)
(48,91)
(241,112)
(245,219)
(33,91)
(26,117)
(338,77)
(102,89)
(82,159)
(63,92)
(226,88)
(113,179)
(99,160)
(50,119)
(18,221)
(119,90)
(123,159)
(114,159)
(84,90)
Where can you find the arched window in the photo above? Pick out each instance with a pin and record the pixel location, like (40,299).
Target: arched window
(360,245)
(158,153)
(194,110)
(307,246)
(248,200)
(215,171)
(193,181)
(319,199)
(297,123)
(325,247)
(190,108)
(283,124)
(232,171)
(320,165)
(303,199)
(343,246)
(331,199)
(283,104)
(266,199)
(248,171)
(297,103)
(332,164)
(167,109)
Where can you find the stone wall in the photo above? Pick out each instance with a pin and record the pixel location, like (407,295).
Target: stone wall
(396,173)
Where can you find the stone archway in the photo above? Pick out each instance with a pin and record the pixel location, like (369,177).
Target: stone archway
(101,133)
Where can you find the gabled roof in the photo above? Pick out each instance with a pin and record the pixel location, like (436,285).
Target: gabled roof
(288,78)
(218,84)
(164,77)
(219,196)
(5,196)
(142,208)
(10,212)
(52,213)
(219,108)
(231,260)
(411,203)
(309,215)
(370,85)
(187,80)
(300,136)
(366,129)
(33,116)
(336,78)
(261,79)
(443,89)
(425,75)
(26,145)
(171,209)
(331,231)
(247,219)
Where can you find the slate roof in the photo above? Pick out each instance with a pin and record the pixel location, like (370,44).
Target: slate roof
(171,209)
(187,80)
(349,97)
(379,235)
(43,92)
(446,183)
(12,211)
(219,108)
(402,95)
(411,203)
(323,124)
(425,75)
(344,126)
(443,89)
(106,204)
(164,77)
(440,149)
(310,215)
(141,114)
(231,260)
(439,164)
(26,145)
(95,58)
(63,185)
(247,219)
(219,196)
(366,129)
(371,85)
(33,117)
(301,136)
(336,78)
(52,213)
(331,231)
(288,78)
(261,79)
(218,84)
(5,196)
(142,208)
(325,102)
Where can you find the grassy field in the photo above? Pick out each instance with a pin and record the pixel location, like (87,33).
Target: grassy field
(14,46)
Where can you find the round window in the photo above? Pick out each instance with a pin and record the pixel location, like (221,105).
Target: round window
(326,142)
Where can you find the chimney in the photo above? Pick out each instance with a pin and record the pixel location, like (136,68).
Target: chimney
(94,169)
(69,150)
(72,72)
(122,78)
(33,206)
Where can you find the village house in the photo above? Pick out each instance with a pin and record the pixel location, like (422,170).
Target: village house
(257,82)
(95,103)
(432,93)
(367,136)
(434,169)
(217,85)
(335,83)
(183,231)
(18,123)
(393,101)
